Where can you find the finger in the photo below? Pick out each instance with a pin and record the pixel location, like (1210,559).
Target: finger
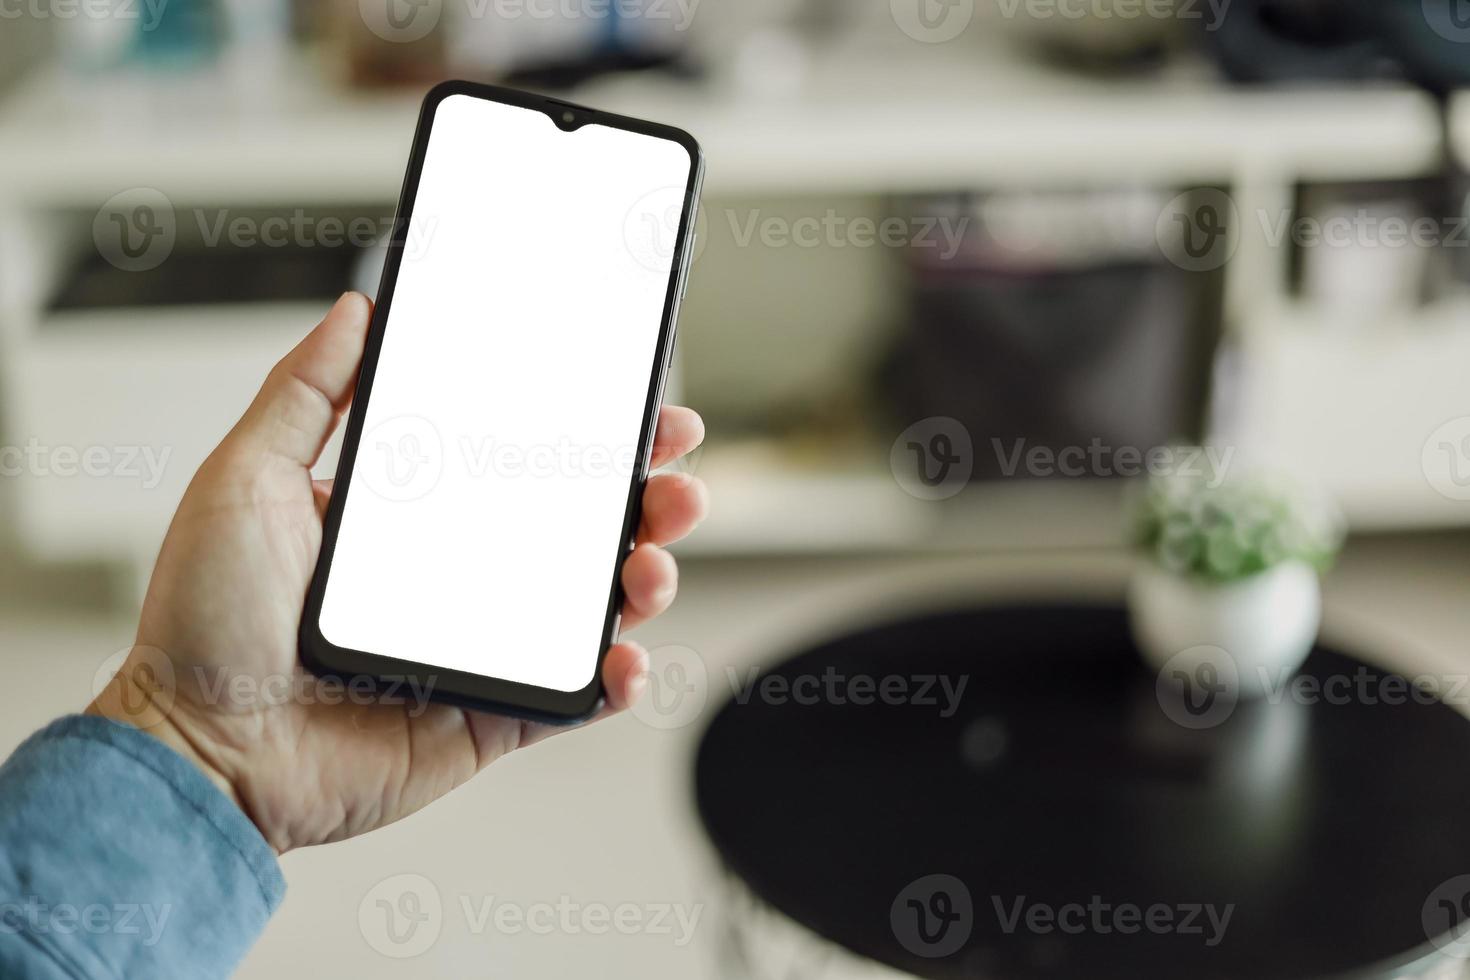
(624,678)
(307,391)
(680,431)
(321,494)
(650,582)
(624,675)
(673,505)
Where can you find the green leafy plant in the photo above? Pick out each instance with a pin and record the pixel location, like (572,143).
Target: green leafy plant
(1233,530)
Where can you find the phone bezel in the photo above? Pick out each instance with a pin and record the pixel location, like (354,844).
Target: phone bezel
(462,688)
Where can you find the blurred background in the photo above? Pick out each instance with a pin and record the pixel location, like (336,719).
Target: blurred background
(963,264)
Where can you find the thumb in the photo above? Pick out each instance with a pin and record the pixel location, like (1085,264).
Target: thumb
(307,391)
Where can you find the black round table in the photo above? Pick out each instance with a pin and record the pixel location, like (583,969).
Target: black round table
(1059,818)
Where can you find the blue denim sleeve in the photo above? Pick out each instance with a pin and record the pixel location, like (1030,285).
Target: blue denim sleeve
(119,859)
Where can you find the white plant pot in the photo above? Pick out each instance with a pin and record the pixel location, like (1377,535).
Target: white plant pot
(1255,632)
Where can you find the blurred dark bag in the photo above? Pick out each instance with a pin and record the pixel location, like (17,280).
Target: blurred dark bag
(1426,41)
(1039,349)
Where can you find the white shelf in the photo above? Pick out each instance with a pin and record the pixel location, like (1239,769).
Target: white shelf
(762,507)
(1356,409)
(170,382)
(862,123)
(1353,410)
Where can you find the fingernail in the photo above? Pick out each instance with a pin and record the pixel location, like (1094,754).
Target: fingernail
(351,296)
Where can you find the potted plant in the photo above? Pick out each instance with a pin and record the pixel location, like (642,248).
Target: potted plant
(1229,574)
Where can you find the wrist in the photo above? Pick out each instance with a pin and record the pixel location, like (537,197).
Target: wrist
(129,700)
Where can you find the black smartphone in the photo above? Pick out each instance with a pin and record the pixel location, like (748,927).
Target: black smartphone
(495,453)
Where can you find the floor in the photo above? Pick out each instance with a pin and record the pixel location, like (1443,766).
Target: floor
(528,864)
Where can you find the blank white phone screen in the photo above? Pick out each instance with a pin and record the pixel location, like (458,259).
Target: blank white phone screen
(499,447)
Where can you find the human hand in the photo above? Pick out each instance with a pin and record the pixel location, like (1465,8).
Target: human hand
(225,601)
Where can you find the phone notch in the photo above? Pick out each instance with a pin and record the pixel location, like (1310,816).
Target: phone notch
(568,116)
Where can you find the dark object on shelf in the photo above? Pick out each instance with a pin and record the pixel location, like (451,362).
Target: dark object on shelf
(188,278)
(563,75)
(1331,828)
(227,255)
(1343,40)
(1098,41)
(1428,37)
(1052,360)
(1297,40)
(1031,349)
